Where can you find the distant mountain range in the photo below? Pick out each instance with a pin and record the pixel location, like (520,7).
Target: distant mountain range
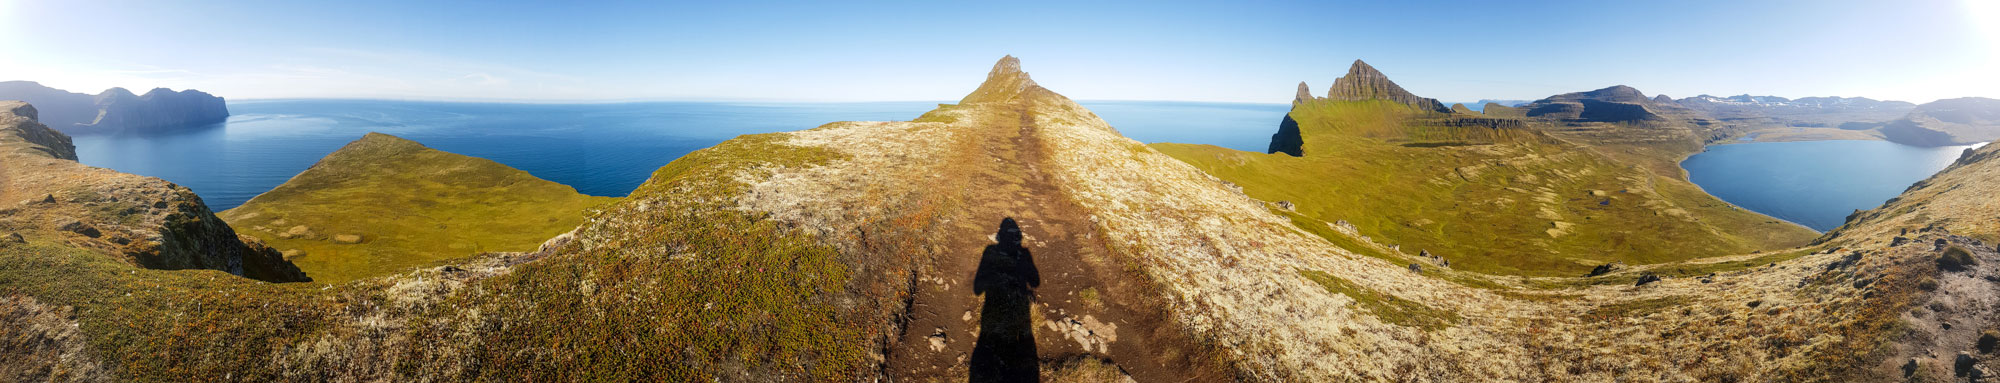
(1944,122)
(117,109)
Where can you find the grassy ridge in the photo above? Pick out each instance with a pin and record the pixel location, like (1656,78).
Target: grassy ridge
(673,284)
(409,205)
(1501,201)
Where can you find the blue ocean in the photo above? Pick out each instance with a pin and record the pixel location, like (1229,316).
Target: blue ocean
(600,149)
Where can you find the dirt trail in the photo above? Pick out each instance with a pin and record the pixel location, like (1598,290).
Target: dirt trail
(971,312)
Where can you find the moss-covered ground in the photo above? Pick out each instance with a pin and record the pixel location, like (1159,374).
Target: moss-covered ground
(409,206)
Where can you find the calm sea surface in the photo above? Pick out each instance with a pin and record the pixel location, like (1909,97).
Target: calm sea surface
(1814,183)
(600,149)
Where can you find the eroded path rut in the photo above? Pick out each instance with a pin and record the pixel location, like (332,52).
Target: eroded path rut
(1059,303)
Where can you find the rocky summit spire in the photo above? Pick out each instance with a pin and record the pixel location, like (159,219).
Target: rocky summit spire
(1363,82)
(1305,94)
(1005,82)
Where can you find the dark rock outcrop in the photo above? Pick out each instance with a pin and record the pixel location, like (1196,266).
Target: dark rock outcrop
(144,221)
(1288,140)
(1363,82)
(117,109)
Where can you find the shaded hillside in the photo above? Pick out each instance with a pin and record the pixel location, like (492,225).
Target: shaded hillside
(117,109)
(382,204)
(1957,121)
(1614,104)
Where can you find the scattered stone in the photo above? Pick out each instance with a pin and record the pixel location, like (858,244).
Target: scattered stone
(293,253)
(48,198)
(1979,374)
(1939,244)
(1603,269)
(1754,304)
(1414,268)
(937,339)
(1647,278)
(1910,368)
(1962,365)
(1710,278)
(1596,193)
(347,239)
(81,228)
(1956,259)
(1989,341)
(1287,205)
(1899,241)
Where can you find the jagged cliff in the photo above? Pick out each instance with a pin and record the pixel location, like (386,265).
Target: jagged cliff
(1363,82)
(1011,236)
(117,109)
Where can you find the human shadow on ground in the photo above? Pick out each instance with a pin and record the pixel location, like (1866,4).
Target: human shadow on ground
(1005,351)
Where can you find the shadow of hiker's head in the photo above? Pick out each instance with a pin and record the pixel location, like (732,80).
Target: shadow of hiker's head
(1010,233)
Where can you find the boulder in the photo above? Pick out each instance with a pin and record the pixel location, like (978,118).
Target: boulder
(1962,365)
(1647,278)
(1989,341)
(1604,269)
(1415,268)
(347,239)
(81,228)
(1956,259)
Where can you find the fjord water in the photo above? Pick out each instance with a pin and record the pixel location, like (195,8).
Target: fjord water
(600,149)
(1814,183)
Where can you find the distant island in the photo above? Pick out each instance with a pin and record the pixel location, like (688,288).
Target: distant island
(117,109)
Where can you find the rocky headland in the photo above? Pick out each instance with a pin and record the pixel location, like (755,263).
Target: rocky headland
(117,109)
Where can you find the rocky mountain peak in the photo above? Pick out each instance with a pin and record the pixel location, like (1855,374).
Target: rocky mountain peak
(1005,82)
(1305,94)
(1364,82)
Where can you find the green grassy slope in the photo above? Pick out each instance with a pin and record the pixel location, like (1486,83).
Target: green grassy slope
(410,205)
(1502,201)
(671,284)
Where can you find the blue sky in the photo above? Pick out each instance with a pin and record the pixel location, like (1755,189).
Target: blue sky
(1238,51)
